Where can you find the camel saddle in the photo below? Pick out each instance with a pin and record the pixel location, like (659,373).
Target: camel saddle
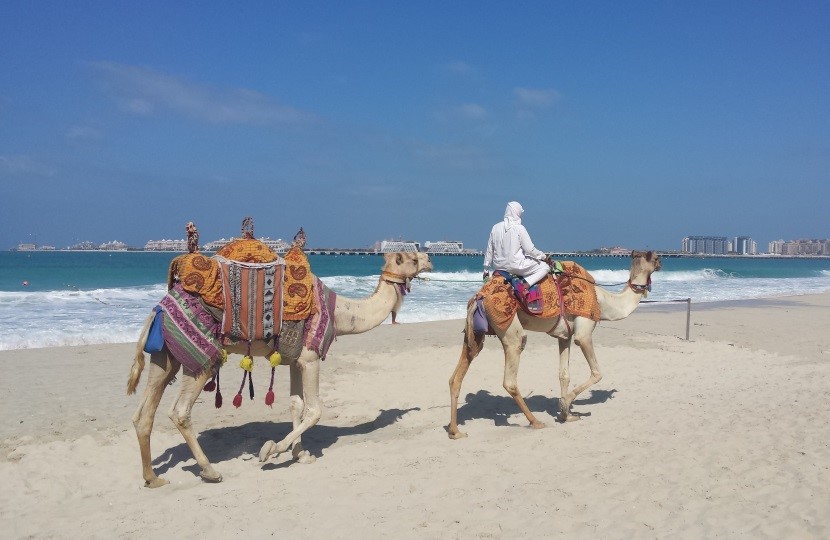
(572,290)
(250,285)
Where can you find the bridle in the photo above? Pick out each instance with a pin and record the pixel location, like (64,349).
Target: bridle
(403,283)
(641,289)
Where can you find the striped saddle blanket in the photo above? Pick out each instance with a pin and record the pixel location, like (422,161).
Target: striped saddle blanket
(253,299)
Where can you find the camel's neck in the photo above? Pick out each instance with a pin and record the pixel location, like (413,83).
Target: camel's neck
(355,316)
(616,306)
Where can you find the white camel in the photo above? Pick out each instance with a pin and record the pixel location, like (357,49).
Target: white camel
(351,316)
(613,307)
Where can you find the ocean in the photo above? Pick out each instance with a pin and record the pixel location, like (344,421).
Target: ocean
(49,299)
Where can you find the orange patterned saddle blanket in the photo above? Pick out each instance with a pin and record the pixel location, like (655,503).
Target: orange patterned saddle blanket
(290,294)
(579,297)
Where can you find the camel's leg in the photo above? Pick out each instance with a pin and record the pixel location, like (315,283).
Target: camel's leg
(161,371)
(583,337)
(513,342)
(309,365)
(180,415)
(455,389)
(296,406)
(564,378)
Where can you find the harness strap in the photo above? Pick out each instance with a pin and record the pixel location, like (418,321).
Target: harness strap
(641,289)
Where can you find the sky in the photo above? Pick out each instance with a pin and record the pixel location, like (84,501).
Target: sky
(631,124)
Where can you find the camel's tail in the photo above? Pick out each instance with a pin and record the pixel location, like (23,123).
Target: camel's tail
(138,359)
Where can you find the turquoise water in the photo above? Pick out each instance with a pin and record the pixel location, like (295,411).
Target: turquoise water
(74,298)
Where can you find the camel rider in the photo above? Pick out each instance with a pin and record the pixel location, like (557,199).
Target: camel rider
(511,249)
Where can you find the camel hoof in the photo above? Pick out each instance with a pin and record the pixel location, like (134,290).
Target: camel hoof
(305,457)
(570,418)
(537,425)
(457,435)
(267,450)
(211,477)
(155,483)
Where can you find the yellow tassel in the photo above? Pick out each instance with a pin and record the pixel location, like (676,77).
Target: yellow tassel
(223,356)
(275,358)
(247,363)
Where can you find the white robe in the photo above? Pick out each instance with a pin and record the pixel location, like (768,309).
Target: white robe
(511,249)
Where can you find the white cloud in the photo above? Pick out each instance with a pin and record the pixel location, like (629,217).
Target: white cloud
(460,68)
(471,111)
(23,165)
(536,98)
(144,91)
(84,133)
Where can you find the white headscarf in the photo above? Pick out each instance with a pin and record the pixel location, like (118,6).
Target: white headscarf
(512,214)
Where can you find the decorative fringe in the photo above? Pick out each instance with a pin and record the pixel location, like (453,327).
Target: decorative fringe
(218,401)
(269,397)
(237,399)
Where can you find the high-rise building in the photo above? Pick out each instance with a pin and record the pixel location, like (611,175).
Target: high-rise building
(706,245)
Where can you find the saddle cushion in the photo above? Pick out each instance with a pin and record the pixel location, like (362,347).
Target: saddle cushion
(298,302)
(320,330)
(197,274)
(248,250)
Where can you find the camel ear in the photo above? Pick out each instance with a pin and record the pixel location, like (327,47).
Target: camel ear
(635,254)
(399,258)
(649,255)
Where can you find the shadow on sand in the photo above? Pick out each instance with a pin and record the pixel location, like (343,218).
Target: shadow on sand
(484,405)
(222,444)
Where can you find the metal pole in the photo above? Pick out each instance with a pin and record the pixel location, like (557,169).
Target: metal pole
(688,316)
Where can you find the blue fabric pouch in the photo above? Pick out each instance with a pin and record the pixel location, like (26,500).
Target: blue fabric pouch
(155,338)
(479,318)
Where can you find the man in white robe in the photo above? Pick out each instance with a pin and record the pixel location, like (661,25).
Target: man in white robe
(511,249)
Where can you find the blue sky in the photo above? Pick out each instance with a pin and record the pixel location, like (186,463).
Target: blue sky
(627,124)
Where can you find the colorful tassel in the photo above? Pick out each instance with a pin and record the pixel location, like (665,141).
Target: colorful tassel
(237,399)
(218,401)
(223,356)
(247,363)
(275,358)
(269,397)
(211,385)
(251,385)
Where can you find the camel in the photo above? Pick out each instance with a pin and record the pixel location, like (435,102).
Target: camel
(613,307)
(351,316)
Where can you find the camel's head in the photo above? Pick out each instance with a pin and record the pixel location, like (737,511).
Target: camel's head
(645,262)
(402,267)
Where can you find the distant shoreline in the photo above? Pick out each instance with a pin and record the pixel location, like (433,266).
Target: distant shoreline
(363,252)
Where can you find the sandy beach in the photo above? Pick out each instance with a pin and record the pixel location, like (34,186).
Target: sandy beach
(725,435)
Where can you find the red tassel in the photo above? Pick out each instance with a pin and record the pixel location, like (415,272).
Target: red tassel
(269,397)
(237,399)
(218,401)
(211,385)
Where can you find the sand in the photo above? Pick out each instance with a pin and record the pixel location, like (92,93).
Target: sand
(725,435)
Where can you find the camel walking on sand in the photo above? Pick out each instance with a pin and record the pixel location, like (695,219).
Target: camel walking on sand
(567,328)
(351,316)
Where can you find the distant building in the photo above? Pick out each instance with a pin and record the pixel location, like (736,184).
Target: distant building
(799,247)
(166,245)
(706,245)
(397,246)
(744,245)
(453,247)
(277,246)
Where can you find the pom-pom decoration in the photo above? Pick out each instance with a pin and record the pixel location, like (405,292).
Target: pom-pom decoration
(275,358)
(247,363)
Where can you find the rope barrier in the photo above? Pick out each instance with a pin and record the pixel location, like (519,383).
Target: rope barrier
(688,309)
